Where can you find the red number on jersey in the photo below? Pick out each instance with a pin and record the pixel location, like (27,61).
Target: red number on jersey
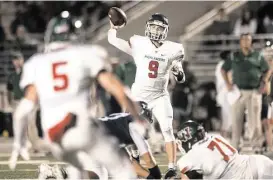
(153,67)
(59,76)
(215,143)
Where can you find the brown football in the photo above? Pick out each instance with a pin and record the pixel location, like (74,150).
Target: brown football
(117,16)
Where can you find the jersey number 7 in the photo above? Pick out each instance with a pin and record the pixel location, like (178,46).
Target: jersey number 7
(59,76)
(216,144)
(153,67)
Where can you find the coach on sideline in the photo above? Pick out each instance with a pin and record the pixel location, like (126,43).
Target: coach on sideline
(250,72)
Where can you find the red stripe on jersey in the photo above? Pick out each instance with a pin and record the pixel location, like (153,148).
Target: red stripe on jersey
(56,132)
(185,169)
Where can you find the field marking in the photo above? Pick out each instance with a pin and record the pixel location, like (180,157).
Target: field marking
(23,170)
(30,162)
(31,155)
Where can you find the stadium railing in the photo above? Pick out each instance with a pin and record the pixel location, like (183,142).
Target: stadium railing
(203,52)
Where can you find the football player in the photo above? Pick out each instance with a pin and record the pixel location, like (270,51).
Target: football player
(61,80)
(214,158)
(120,126)
(155,58)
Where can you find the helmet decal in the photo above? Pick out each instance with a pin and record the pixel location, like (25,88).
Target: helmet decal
(185,134)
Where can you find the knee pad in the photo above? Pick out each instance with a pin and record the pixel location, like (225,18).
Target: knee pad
(168,135)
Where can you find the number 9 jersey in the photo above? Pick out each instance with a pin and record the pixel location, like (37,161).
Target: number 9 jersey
(63,79)
(153,66)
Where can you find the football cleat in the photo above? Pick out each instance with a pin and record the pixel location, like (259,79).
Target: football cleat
(171,173)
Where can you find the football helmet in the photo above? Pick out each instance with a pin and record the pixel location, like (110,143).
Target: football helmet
(157,27)
(191,132)
(145,111)
(60,30)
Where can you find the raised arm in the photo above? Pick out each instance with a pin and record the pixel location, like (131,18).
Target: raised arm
(119,43)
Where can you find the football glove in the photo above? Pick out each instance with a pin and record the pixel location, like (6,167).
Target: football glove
(178,74)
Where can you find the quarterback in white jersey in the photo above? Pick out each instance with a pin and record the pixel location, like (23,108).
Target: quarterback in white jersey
(61,80)
(214,158)
(154,58)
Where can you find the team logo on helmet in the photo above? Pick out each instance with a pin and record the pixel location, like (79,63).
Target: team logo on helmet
(185,134)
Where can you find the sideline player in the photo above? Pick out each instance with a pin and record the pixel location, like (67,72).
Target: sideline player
(155,58)
(61,80)
(214,158)
(120,126)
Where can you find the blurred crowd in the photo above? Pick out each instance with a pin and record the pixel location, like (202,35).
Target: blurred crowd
(258,21)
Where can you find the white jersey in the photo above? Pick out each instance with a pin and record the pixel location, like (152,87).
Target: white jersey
(63,80)
(153,66)
(215,158)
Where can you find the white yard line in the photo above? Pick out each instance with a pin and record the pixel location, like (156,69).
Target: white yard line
(21,170)
(32,162)
(31,155)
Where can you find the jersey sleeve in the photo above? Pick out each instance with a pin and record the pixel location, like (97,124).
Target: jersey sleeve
(28,74)
(96,60)
(178,57)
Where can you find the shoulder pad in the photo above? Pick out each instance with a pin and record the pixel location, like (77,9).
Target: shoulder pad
(137,39)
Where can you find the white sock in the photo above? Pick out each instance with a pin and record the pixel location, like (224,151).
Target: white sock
(171,166)
(135,153)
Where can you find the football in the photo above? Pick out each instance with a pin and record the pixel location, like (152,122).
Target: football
(117,16)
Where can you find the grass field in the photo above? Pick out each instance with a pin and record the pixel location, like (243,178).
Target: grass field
(29,169)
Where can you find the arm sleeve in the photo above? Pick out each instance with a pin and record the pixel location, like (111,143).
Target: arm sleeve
(176,65)
(264,64)
(28,75)
(118,42)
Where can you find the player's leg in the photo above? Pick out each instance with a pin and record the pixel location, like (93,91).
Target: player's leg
(146,156)
(163,112)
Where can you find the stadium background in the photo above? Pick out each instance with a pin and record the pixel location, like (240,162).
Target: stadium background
(207,30)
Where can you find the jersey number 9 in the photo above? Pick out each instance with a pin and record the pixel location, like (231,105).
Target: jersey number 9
(153,67)
(59,76)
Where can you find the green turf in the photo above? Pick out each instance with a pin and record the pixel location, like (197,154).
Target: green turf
(29,171)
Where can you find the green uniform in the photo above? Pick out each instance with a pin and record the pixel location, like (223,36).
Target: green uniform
(126,73)
(13,85)
(246,70)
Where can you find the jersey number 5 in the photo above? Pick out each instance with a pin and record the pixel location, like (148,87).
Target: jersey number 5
(153,67)
(215,144)
(59,76)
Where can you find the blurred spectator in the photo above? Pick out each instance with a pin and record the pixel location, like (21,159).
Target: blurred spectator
(245,24)
(20,18)
(265,16)
(248,83)
(2,32)
(221,25)
(221,98)
(267,106)
(15,93)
